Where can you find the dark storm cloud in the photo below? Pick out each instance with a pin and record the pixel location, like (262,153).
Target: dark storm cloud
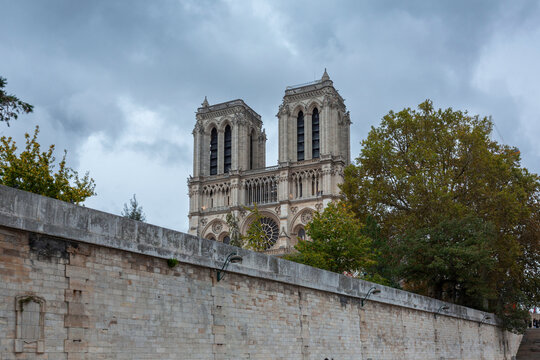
(118,82)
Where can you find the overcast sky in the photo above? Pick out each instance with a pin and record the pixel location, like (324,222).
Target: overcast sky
(117,83)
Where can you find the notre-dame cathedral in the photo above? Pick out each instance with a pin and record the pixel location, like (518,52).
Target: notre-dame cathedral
(230,173)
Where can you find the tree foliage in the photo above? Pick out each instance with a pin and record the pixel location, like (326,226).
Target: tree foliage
(234,231)
(451,260)
(338,242)
(134,211)
(10,105)
(33,170)
(425,170)
(255,238)
(530,257)
(384,270)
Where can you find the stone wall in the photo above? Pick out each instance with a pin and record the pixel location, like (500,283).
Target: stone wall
(103,289)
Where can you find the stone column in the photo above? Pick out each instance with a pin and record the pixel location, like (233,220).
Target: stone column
(327,179)
(283,209)
(204,154)
(242,146)
(348,139)
(196,160)
(194,198)
(324,124)
(308,133)
(331,130)
(283,185)
(193,225)
(235,190)
(262,146)
(283,129)
(335,132)
(220,156)
(241,193)
(251,139)
(346,144)
(234,149)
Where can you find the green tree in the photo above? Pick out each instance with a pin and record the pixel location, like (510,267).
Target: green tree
(255,238)
(384,270)
(423,167)
(33,170)
(530,241)
(338,243)
(134,211)
(234,231)
(10,105)
(451,260)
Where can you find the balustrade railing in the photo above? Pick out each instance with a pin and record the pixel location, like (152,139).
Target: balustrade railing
(261,190)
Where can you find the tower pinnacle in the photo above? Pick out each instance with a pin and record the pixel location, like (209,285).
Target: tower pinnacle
(325,76)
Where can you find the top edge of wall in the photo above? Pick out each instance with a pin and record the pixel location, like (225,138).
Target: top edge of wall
(26,211)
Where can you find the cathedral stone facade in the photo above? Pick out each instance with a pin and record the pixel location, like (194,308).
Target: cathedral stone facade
(230,173)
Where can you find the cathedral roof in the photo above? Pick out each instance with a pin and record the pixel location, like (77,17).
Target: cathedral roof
(207,108)
(304,88)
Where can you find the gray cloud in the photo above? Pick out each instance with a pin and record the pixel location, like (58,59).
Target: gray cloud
(117,82)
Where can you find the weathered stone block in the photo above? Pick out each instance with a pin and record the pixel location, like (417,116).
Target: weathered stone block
(81,321)
(75,346)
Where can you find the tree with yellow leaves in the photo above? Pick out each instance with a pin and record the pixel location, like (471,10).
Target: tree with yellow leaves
(338,243)
(33,170)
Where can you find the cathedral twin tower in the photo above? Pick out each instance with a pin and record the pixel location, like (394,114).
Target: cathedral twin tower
(230,173)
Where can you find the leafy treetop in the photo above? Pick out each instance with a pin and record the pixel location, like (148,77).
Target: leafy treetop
(425,170)
(134,211)
(33,171)
(338,242)
(234,231)
(10,105)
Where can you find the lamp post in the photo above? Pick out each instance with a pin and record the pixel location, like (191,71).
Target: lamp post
(486,317)
(231,258)
(372,291)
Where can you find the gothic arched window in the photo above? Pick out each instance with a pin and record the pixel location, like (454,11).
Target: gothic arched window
(227,150)
(300,137)
(213,151)
(315,149)
(302,234)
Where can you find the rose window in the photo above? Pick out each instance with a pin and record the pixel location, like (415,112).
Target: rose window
(271,230)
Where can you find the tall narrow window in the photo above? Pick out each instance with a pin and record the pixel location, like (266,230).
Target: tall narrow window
(300,137)
(213,152)
(315,133)
(227,149)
